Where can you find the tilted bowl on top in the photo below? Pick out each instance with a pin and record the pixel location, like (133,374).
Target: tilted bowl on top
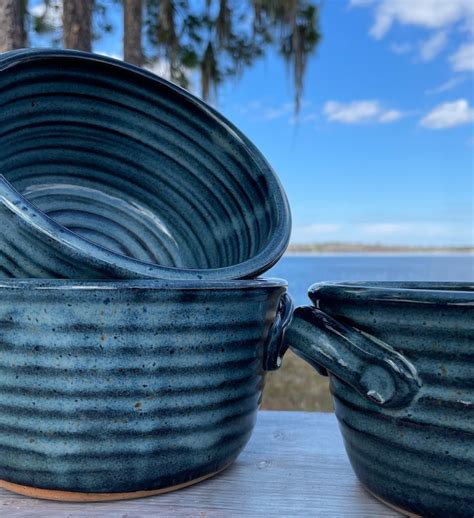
(112,172)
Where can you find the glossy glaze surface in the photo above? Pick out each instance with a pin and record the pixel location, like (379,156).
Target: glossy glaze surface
(119,386)
(417,455)
(140,178)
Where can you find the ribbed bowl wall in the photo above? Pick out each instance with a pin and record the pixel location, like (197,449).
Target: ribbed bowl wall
(420,458)
(135,166)
(105,390)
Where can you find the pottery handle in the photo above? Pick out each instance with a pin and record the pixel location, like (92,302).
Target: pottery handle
(371,367)
(275,346)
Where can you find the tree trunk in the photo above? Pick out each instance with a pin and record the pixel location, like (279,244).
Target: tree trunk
(77,24)
(23,30)
(132,32)
(12,30)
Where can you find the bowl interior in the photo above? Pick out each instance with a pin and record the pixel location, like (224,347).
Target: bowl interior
(136,165)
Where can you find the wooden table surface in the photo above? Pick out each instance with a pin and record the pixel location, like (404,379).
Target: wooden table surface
(294,465)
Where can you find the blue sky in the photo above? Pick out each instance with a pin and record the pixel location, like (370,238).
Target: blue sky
(383,148)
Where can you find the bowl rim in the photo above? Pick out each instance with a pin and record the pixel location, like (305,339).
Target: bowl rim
(404,292)
(94,254)
(140,284)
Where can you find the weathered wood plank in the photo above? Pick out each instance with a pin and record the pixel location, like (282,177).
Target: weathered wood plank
(294,465)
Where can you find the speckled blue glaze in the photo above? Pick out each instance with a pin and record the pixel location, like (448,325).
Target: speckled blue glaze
(126,175)
(401,358)
(122,386)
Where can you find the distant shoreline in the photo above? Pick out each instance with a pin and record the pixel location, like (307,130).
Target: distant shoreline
(354,248)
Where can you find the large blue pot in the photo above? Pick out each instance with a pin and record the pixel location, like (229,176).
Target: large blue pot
(112,172)
(401,359)
(120,389)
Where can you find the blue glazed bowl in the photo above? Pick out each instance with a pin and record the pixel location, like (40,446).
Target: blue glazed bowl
(112,172)
(401,359)
(122,389)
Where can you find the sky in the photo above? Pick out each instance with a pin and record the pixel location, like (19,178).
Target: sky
(383,149)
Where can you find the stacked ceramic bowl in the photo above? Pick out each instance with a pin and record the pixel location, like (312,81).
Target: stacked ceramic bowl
(135,332)
(132,357)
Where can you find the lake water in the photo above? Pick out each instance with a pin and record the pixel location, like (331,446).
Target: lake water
(303,270)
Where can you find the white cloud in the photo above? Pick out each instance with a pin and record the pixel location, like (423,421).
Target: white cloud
(303,118)
(446,86)
(38,10)
(448,115)
(314,232)
(383,230)
(439,16)
(308,117)
(265,112)
(431,14)
(427,49)
(317,228)
(431,47)
(420,233)
(390,116)
(401,48)
(463,58)
(359,111)
(275,112)
(359,3)
(350,113)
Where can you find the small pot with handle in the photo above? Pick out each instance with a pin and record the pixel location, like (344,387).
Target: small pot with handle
(401,362)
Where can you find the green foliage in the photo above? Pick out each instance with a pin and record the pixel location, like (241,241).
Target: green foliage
(43,23)
(220,38)
(215,39)
(48,22)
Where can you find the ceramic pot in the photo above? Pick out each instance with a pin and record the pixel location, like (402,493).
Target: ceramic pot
(401,360)
(112,172)
(122,389)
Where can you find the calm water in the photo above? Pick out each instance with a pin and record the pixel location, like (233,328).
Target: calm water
(302,271)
